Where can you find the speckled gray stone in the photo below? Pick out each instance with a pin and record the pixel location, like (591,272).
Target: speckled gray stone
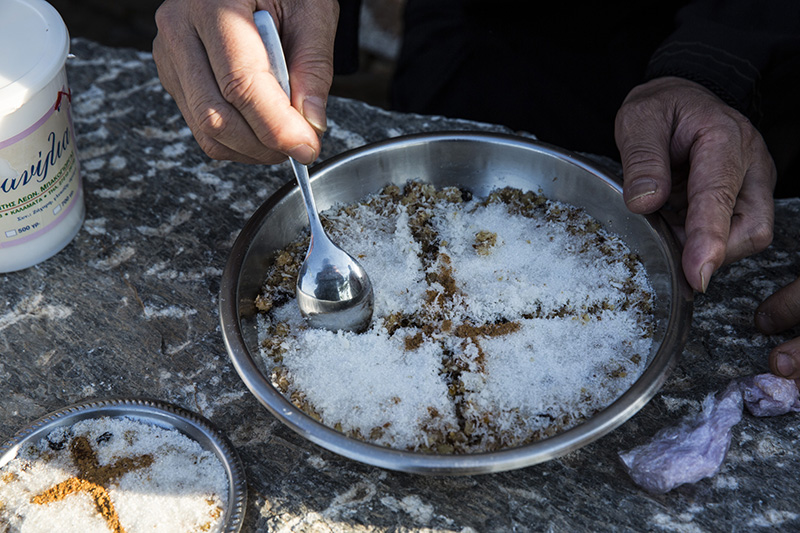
(129,308)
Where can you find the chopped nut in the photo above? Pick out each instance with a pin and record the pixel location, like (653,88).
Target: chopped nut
(484,242)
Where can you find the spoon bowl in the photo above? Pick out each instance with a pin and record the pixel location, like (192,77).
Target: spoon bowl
(333,297)
(333,290)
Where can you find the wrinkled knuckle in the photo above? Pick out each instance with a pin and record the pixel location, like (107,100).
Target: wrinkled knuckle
(761,236)
(170,22)
(238,88)
(321,72)
(752,139)
(632,111)
(317,63)
(641,153)
(642,158)
(213,122)
(163,16)
(722,135)
(647,100)
(735,130)
(724,195)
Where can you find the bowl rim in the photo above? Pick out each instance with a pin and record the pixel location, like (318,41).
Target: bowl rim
(619,411)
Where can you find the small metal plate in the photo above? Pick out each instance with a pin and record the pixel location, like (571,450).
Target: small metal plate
(155,413)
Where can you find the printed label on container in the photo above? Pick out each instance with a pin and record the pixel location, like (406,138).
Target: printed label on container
(39,179)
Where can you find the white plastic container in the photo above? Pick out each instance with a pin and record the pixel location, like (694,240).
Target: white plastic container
(41,195)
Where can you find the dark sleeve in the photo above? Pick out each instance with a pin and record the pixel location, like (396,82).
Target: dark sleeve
(728,46)
(345,47)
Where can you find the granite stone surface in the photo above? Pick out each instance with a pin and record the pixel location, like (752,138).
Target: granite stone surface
(129,308)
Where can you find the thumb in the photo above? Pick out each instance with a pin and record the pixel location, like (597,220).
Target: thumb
(308,44)
(642,133)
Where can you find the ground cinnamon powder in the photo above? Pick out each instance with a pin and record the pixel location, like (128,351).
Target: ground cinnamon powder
(94,480)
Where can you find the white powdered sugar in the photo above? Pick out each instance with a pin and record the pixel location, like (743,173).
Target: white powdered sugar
(497,322)
(391,257)
(110,475)
(530,262)
(367,376)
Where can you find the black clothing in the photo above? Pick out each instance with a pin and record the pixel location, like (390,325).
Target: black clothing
(529,65)
(561,69)
(345,46)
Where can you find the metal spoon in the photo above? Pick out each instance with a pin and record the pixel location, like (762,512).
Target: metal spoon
(333,290)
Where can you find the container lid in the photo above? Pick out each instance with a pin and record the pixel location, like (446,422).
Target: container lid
(35,43)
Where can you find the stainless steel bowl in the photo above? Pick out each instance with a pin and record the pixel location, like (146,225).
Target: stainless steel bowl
(480,162)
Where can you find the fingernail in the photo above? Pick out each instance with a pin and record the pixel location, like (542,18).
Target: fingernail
(705,276)
(314,111)
(784,364)
(641,188)
(303,153)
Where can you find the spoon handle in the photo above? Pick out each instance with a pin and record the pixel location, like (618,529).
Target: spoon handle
(272,43)
(277,62)
(301,173)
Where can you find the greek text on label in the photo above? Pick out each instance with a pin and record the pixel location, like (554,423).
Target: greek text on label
(40,169)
